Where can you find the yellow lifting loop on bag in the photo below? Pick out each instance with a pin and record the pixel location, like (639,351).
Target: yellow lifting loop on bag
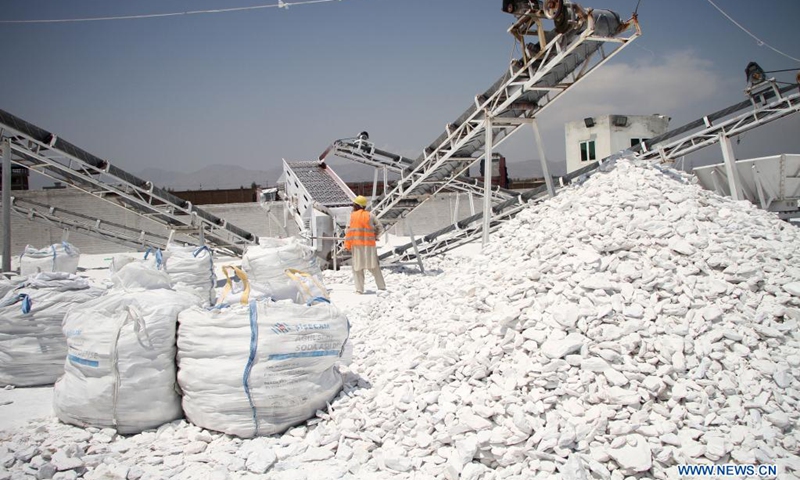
(229,284)
(298,277)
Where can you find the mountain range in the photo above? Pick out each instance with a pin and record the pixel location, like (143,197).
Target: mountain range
(215,177)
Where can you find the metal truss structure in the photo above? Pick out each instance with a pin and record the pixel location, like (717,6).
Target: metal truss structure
(762,107)
(58,217)
(768,104)
(530,86)
(365,152)
(45,153)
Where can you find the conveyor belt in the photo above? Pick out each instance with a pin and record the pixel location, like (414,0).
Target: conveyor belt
(319,184)
(47,154)
(763,108)
(522,92)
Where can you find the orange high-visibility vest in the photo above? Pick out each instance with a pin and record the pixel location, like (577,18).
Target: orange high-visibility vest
(359,233)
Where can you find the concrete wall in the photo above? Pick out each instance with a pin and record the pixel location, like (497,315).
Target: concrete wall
(435,213)
(248,216)
(609,138)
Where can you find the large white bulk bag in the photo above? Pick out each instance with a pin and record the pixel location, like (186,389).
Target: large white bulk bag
(266,265)
(154,258)
(120,369)
(192,269)
(32,347)
(59,257)
(6,286)
(260,367)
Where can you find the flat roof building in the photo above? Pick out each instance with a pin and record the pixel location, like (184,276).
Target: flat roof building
(595,138)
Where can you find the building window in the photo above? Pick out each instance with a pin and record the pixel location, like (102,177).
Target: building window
(637,141)
(587,151)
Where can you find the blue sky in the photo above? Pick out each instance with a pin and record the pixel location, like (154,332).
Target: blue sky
(249,88)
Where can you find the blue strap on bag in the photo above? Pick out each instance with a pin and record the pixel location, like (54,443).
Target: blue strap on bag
(27,303)
(317,299)
(251,360)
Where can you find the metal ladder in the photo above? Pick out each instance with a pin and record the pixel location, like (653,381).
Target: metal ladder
(45,153)
(761,108)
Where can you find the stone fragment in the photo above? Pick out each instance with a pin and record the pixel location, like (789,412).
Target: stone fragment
(195,447)
(554,348)
(681,246)
(260,460)
(620,396)
(634,456)
(46,471)
(398,464)
(615,377)
(779,419)
(594,364)
(316,454)
(792,288)
(63,462)
(474,422)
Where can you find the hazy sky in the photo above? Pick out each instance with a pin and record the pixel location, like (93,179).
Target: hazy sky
(249,88)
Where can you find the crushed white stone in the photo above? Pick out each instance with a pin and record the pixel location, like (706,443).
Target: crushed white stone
(626,326)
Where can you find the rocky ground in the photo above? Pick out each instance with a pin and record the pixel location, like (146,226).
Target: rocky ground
(627,326)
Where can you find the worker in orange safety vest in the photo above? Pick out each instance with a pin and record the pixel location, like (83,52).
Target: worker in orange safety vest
(362,231)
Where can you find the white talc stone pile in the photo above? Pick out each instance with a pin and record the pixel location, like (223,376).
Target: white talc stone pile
(627,326)
(620,329)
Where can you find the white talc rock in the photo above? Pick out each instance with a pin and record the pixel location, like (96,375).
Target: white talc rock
(574,469)
(712,314)
(598,282)
(473,471)
(621,396)
(195,448)
(681,246)
(62,462)
(627,325)
(316,454)
(466,449)
(594,364)
(474,422)
(553,348)
(782,378)
(615,377)
(259,461)
(792,288)
(398,464)
(634,456)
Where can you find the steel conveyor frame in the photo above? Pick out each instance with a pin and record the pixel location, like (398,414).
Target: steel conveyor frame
(544,78)
(47,154)
(58,217)
(761,108)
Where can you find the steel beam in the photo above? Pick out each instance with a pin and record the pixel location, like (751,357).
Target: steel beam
(6,205)
(487,181)
(730,167)
(567,55)
(45,153)
(551,190)
(740,117)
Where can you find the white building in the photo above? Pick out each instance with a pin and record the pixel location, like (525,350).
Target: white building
(595,138)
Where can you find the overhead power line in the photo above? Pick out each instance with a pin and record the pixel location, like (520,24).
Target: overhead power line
(280,4)
(758,40)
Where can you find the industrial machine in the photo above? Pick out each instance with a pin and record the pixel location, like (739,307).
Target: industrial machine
(320,204)
(552,62)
